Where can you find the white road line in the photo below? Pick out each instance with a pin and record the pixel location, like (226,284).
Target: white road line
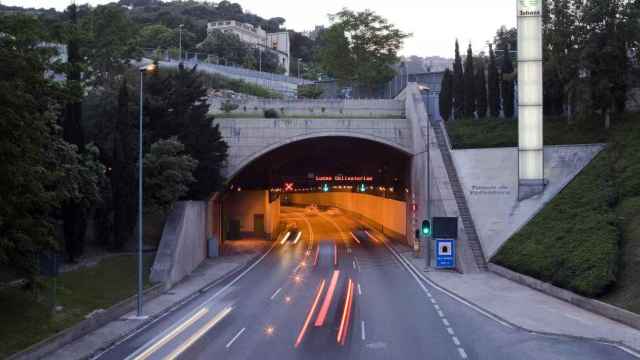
(276,293)
(462,353)
(455,340)
(354,265)
(440,313)
(450,331)
(357,263)
(445,322)
(627,350)
(235,338)
(359,290)
(437,307)
(364,336)
(433,300)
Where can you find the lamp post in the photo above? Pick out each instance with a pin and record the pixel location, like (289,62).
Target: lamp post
(180,41)
(149,68)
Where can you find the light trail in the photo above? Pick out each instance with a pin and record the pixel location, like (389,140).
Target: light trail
(285,238)
(203,330)
(355,237)
(310,315)
(346,315)
(322,315)
(297,237)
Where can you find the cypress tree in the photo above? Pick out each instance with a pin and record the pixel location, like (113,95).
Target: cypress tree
(507,84)
(493,90)
(481,91)
(74,214)
(458,85)
(469,86)
(446,96)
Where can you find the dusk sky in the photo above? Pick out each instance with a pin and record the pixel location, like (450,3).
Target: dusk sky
(434,24)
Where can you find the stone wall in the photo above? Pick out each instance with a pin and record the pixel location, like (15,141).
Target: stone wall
(334,108)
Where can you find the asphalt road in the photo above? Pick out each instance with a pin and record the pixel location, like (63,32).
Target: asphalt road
(333,291)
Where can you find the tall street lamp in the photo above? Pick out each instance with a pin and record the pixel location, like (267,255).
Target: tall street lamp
(146,69)
(180,41)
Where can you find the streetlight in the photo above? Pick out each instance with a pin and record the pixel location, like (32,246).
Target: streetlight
(180,41)
(145,69)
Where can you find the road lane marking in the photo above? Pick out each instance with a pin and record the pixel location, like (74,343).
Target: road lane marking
(462,353)
(433,300)
(276,293)
(172,334)
(440,313)
(455,340)
(354,264)
(324,309)
(450,331)
(203,330)
(364,336)
(303,330)
(235,338)
(335,254)
(357,263)
(437,307)
(445,322)
(359,290)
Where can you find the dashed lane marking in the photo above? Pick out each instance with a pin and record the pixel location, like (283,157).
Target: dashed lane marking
(235,338)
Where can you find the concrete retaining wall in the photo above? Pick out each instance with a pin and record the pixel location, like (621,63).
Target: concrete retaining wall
(387,213)
(243,206)
(598,307)
(336,108)
(183,245)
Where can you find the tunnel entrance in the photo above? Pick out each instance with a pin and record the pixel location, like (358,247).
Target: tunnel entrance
(358,175)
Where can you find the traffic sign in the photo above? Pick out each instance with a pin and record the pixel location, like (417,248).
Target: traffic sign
(288,186)
(445,253)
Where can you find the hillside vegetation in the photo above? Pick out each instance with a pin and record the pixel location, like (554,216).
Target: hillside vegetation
(587,239)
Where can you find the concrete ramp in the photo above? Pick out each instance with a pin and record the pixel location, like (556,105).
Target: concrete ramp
(489,179)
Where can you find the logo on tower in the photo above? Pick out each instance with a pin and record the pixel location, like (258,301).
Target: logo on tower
(529,7)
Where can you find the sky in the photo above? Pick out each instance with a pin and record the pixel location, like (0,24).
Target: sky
(435,24)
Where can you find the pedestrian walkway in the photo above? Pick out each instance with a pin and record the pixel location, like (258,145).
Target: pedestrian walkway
(207,273)
(525,307)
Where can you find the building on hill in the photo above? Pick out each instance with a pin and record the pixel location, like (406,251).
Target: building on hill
(277,42)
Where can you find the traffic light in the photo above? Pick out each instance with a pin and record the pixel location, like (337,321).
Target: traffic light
(325,187)
(426,227)
(362,188)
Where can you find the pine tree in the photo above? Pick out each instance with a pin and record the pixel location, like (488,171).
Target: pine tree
(507,88)
(446,96)
(493,90)
(481,91)
(458,85)
(469,85)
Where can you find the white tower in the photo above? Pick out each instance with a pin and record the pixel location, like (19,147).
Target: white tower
(530,142)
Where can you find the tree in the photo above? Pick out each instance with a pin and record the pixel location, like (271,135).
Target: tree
(177,106)
(123,175)
(446,95)
(362,46)
(310,92)
(493,88)
(35,162)
(469,103)
(157,36)
(507,88)
(227,46)
(168,173)
(481,90)
(458,85)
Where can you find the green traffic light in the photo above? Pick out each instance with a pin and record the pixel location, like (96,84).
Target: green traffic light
(325,187)
(362,188)
(426,227)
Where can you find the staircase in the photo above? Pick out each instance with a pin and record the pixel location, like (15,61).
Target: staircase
(458,193)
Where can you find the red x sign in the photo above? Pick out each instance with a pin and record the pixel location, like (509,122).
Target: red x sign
(288,186)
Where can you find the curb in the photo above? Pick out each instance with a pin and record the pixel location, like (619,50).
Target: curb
(635,352)
(85,326)
(598,307)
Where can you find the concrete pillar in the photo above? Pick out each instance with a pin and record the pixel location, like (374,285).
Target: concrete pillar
(530,140)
